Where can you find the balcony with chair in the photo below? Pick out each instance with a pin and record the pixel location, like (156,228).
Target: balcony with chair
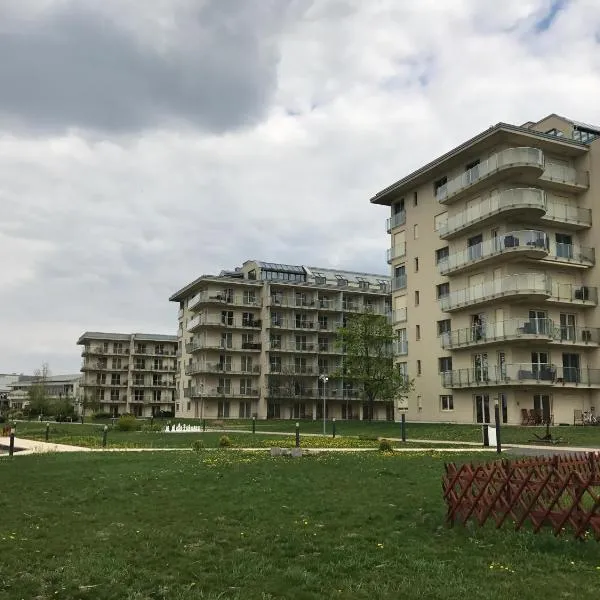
(520,244)
(568,294)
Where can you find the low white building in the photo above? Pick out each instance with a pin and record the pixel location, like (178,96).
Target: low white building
(57,387)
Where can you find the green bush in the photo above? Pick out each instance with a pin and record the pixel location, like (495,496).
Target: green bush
(152,427)
(224,441)
(197,445)
(101,416)
(385,445)
(127,423)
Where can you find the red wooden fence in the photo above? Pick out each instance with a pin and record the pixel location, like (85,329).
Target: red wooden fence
(562,492)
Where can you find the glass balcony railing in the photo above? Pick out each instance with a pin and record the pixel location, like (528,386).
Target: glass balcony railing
(566,293)
(399,315)
(516,199)
(399,283)
(396,252)
(571,253)
(512,285)
(395,221)
(511,157)
(566,175)
(514,241)
(567,213)
(521,374)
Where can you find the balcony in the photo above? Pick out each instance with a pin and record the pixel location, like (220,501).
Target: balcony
(400,347)
(522,374)
(525,286)
(351,306)
(573,255)
(396,252)
(565,178)
(569,216)
(395,221)
(514,245)
(398,283)
(528,162)
(526,204)
(400,315)
(194,324)
(180,314)
(568,294)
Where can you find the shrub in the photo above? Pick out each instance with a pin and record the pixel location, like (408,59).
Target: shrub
(197,445)
(224,441)
(220,424)
(385,445)
(101,416)
(152,427)
(127,423)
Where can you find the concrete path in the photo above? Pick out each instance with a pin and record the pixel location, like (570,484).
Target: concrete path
(26,446)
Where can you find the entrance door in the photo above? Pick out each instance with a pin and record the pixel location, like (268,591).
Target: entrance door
(539,364)
(482,408)
(567,327)
(541,405)
(571,368)
(564,245)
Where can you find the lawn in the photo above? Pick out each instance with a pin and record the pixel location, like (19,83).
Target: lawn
(182,526)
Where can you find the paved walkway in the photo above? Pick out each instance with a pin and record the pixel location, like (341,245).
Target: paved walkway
(26,446)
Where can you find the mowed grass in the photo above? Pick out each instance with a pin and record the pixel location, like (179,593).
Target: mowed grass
(575,436)
(230,525)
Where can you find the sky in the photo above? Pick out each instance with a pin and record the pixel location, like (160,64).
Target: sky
(144,143)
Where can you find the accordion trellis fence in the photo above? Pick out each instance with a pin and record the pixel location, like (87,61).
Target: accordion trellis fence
(561,492)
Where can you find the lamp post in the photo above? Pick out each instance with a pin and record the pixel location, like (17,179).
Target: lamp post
(324,379)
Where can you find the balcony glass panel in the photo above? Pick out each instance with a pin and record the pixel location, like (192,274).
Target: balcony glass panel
(573,253)
(395,221)
(567,213)
(399,283)
(396,252)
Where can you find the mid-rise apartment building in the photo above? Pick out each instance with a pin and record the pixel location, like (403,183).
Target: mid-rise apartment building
(56,387)
(494,275)
(261,341)
(129,373)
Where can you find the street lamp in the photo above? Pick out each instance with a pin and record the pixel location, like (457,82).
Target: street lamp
(324,379)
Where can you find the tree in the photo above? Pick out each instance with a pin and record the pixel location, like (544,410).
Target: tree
(89,402)
(39,403)
(367,340)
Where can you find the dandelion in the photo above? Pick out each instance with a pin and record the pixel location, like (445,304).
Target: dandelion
(380,545)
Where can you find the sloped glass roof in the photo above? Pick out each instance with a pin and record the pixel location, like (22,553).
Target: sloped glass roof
(281,267)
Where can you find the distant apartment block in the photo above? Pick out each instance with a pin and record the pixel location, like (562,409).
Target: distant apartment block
(57,387)
(260,341)
(129,373)
(494,275)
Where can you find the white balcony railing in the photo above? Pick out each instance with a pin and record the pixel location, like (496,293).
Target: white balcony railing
(395,221)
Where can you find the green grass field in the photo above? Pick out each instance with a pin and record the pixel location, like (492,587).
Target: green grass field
(227,525)
(575,436)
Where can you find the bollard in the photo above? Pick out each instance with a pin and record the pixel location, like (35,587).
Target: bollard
(297,435)
(170,426)
(82,419)
(47,431)
(403,426)
(497,417)
(333,425)
(11,445)
(151,420)
(203,424)
(14,426)
(104,435)
(253,424)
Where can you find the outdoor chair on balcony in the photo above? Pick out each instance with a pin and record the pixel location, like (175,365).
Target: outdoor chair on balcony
(525,418)
(535,416)
(577,416)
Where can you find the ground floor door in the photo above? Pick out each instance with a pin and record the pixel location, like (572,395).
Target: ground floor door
(541,405)
(482,408)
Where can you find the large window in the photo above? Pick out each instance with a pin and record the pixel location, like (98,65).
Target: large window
(446,402)
(444,326)
(445,364)
(442,290)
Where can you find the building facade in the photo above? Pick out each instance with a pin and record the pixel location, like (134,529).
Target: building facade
(261,341)
(494,275)
(57,387)
(129,373)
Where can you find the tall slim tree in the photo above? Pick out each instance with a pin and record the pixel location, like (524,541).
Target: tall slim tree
(39,402)
(367,340)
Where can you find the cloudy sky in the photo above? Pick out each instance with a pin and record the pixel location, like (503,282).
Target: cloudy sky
(146,142)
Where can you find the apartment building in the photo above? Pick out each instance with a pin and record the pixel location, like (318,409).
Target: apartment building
(260,341)
(494,276)
(129,373)
(57,387)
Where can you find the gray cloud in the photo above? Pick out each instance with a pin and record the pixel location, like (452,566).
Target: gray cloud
(74,67)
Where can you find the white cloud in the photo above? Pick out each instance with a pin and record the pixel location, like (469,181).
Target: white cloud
(97,230)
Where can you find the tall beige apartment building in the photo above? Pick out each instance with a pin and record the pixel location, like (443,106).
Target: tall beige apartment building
(129,373)
(261,341)
(494,276)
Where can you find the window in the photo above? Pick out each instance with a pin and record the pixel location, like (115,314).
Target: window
(440,221)
(159,349)
(226,340)
(156,396)
(246,364)
(275,363)
(100,378)
(417,297)
(443,326)
(439,185)
(140,364)
(248,319)
(403,369)
(245,386)
(441,254)
(138,395)
(138,379)
(416,231)
(223,409)
(245,410)
(323,366)
(276,319)
(114,395)
(116,363)
(227,317)
(556,132)
(276,342)
(445,364)
(141,349)
(105,347)
(323,321)
(100,395)
(118,348)
(115,379)
(189,406)
(418,332)
(323,344)
(419,371)
(224,386)
(415,199)
(447,402)
(442,290)
(417,264)
(249,297)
